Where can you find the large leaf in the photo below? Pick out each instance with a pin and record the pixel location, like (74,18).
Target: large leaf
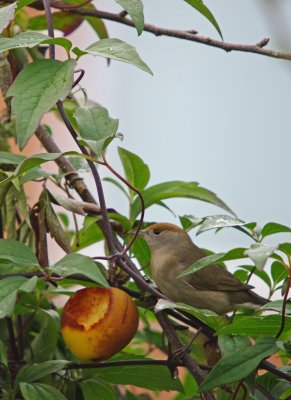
(35,90)
(14,253)
(135,10)
(10,158)
(203,262)
(34,372)
(136,171)
(239,364)
(219,221)
(6,15)
(63,21)
(201,7)
(31,39)
(151,377)
(44,344)
(256,326)
(116,49)
(272,227)
(95,389)
(37,391)
(79,264)
(167,190)
(31,162)
(96,127)
(9,288)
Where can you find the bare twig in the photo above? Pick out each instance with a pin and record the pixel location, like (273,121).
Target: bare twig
(258,48)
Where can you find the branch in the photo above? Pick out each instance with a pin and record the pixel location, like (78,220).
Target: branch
(258,48)
(177,346)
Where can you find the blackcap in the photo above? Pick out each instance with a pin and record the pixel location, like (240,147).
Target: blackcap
(212,287)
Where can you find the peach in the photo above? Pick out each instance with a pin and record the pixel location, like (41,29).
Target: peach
(98,322)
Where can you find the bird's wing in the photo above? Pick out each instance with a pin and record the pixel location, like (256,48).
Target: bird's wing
(214,277)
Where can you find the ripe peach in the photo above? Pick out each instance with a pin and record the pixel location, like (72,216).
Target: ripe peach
(98,322)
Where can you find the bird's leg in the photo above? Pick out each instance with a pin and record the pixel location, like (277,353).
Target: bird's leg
(178,354)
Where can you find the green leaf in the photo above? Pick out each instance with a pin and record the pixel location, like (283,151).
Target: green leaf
(237,365)
(35,90)
(117,184)
(278,272)
(201,7)
(14,253)
(209,317)
(31,39)
(31,162)
(10,158)
(45,342)
(286,248)
(98,25)
(37,391)
(261,274)
(63,21)
(79,264)
(151,377)
(259,254)
(93,388)
(96,127)
(286,395)
(135,10)
(272,227)
(256,326)
(203,262)
(219,221)
(136,171)
(34,372)
(6,15)
(167,190)
(3,354)
(277,305)
(230,343)
(116,49)
(89,234)
(23,3)
(9,288)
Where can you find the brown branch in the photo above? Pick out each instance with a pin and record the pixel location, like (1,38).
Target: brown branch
(72,177)
(258,48)
(177,346)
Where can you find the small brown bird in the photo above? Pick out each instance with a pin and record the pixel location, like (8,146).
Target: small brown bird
(212,287)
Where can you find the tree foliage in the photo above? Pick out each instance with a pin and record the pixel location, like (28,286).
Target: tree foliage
(34,362)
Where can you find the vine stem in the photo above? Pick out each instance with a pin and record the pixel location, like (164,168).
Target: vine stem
(285,299)
(138,192)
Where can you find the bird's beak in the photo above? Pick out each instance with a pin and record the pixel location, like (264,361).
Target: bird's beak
(142,233)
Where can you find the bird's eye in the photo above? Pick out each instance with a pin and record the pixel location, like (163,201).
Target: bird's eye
(157,232)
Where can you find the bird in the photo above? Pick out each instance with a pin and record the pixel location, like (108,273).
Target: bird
(212,287)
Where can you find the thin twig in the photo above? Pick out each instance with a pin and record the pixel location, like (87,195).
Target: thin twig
(138,192)
(49,19)
(258,48)
(285,299)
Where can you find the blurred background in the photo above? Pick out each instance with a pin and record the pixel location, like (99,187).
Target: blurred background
(222,119)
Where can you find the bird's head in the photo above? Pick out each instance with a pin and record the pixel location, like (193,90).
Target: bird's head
(165,236)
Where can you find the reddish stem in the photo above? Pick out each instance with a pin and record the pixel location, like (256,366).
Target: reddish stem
(138,192)
(283,321)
